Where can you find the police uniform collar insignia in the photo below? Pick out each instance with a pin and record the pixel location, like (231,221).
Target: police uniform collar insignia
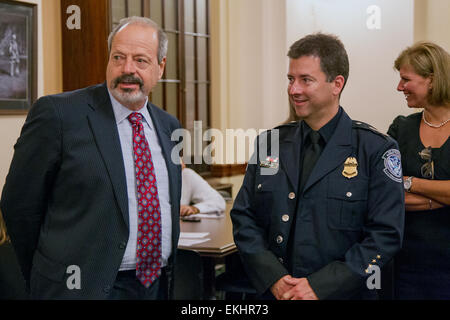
(350,168)
(270,162)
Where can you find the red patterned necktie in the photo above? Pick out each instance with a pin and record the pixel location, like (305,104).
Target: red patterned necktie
(148,252)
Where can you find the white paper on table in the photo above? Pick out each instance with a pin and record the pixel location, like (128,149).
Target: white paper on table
(209,216)
(190,242)
(193,235)
(213,213)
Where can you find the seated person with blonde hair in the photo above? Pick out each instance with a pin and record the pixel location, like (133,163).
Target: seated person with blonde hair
(197,196)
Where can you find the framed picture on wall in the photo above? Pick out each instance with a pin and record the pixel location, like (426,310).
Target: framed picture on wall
(18,56)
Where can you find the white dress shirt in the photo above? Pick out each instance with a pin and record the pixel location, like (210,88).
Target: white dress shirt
(195,190)
(162,180)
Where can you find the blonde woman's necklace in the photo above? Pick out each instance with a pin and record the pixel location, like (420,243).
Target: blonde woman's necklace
(434,125)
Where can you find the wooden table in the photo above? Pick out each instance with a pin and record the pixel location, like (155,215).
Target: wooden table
(220,230)
(221,244)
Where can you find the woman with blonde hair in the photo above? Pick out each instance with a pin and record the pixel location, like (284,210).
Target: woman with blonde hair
(422,267)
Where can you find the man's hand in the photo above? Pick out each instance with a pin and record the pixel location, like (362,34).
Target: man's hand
(188,210)
(300,290)
(281,286)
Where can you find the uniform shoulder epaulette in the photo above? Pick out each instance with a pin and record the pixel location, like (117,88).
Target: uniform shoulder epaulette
(287,125)
(365,126)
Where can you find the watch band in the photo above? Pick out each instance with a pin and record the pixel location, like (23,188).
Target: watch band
(408,182)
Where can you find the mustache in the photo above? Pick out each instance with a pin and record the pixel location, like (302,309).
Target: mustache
(127,78)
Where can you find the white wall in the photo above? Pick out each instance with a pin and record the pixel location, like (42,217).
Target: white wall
(248,63)
(432,21)
(370,95)
(248,56)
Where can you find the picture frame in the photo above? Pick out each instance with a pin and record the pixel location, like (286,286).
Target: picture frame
(18,56)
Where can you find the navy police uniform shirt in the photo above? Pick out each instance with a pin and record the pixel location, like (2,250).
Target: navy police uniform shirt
(346,222)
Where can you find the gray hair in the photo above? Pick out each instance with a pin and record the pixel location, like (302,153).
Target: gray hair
(162,37)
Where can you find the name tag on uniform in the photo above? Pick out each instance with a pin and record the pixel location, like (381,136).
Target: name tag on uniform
(350,168)
(270,162)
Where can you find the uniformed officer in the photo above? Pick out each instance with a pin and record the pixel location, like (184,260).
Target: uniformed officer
(327,214)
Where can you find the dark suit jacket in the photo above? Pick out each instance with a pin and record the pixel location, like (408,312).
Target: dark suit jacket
(333,230)
(12,284)
(65,198)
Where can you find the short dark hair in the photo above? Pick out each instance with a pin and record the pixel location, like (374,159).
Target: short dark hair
(327,47)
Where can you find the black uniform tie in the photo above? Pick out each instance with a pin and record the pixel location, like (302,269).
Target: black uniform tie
(312,153)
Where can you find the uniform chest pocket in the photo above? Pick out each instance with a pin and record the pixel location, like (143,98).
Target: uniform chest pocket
(263,202)
(347,203)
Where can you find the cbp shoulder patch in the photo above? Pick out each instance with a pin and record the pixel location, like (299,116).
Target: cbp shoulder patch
(393,165)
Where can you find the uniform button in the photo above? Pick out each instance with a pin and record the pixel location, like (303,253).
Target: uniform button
(291,195)
(279,239)
(122,245)
(106,289)
(281,260)
(285,218)
(348,194)
(259,186)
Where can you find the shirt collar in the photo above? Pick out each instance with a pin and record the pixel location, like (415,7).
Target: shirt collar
(326,132)
(121,112)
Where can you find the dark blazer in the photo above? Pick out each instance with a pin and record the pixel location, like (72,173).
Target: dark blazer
(334,229)
(12,284)
(65,198)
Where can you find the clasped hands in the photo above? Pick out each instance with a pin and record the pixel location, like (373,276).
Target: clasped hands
(289,288)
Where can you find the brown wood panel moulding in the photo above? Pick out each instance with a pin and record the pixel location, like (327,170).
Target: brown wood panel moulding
(227,170)
(85,49)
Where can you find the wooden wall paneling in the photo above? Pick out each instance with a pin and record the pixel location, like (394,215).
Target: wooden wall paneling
(228,170)
(85,50)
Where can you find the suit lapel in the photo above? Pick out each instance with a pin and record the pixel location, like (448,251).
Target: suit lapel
(174,173)
(104,129)
(336,151)
(162,132)
(164,137)
(290,157)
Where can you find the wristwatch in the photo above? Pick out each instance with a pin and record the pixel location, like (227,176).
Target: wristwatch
(407,183)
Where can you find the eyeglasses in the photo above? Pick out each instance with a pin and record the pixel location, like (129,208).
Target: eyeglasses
(427,169)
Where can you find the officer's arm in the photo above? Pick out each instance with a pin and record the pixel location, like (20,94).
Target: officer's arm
(262,266)
(383,232)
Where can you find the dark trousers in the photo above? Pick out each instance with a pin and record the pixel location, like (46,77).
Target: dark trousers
(416,283)
(128,287)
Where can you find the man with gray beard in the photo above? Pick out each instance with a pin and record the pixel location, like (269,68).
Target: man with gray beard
(92,197)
